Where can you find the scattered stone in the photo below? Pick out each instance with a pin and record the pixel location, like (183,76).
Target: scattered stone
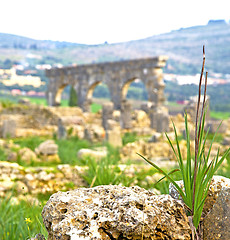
(12,156)
(140,119)
(226,141)
(156,137)
(38,236)
(49,147)
(114,212)
(147,106)
(9,129)
(107,113)
(213,125)
(97,155)
(27,155)
(162,121)
(191,107)
(50,158)
(61,130)
(24,101)
(126,115)
(112,125)
(94,133)
(113,137)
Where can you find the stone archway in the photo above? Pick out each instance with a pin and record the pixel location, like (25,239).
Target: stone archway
(139,85)
(115,75)
(58,95)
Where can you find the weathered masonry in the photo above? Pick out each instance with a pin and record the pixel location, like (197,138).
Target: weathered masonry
(116,75)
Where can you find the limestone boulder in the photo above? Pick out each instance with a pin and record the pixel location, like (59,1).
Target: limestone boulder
(152,150)
(114,212)
(140,119)
(213,126)
(27,155)
(217,222)
(49,147)
(95,154)
(217,183)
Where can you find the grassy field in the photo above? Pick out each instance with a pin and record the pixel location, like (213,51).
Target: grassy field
(24,220)
(220,115)
(20,221)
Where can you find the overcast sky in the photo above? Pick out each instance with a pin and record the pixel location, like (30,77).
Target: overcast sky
(97,21)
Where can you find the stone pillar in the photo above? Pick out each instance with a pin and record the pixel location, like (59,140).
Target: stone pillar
(9,128)
(153,116)
(126,114)
(113,137)
(146,107)
(159,119)
(107,113)
(61,130)
(86,107)
(162,122)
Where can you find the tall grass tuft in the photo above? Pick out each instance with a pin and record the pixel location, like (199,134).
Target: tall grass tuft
(196,173)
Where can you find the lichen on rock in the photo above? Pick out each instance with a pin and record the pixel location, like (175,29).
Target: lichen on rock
(114,212)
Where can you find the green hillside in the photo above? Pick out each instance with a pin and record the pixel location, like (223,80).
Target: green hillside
(183,46)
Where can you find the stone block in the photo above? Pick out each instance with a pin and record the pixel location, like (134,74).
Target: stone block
(107,113)
(9,128)
(162,122)
(49,147)
(217,222)
(61,134)
(115,212)
(113,137)
(126,115)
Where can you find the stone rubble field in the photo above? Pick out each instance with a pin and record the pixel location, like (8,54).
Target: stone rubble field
(104,212)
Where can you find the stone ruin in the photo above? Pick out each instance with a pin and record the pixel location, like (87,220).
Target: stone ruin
(117,76)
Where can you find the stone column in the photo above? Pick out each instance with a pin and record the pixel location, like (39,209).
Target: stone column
(153,116)
(126,114)
(162,122)
(61,130)
(146,107)
(159,119)
(8,128)
(107,113)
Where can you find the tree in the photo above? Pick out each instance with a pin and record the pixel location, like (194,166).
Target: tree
(72,97)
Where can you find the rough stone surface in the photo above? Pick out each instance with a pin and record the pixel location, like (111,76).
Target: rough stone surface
(114,212)
(27,155)
(48,147)
(217,183)
(36,180)
(217,222)
(126,115)
(8,128)
(61,134)
(213,125)
(116,75)
(96,154)
(113,137)
(107,114)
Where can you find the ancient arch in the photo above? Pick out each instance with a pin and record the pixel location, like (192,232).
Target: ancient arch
(116,75)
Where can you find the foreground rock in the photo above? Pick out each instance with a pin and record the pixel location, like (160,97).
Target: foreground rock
(217,184)
(114,212)
(217,222)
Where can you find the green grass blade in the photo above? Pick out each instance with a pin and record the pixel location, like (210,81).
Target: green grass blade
(171,172)
(167,176)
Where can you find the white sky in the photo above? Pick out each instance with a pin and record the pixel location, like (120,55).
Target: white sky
(97,21)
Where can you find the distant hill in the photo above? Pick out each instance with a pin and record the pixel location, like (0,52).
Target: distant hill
(19,42)
(183,46)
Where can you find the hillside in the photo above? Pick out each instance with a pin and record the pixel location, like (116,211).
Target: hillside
(183,46)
